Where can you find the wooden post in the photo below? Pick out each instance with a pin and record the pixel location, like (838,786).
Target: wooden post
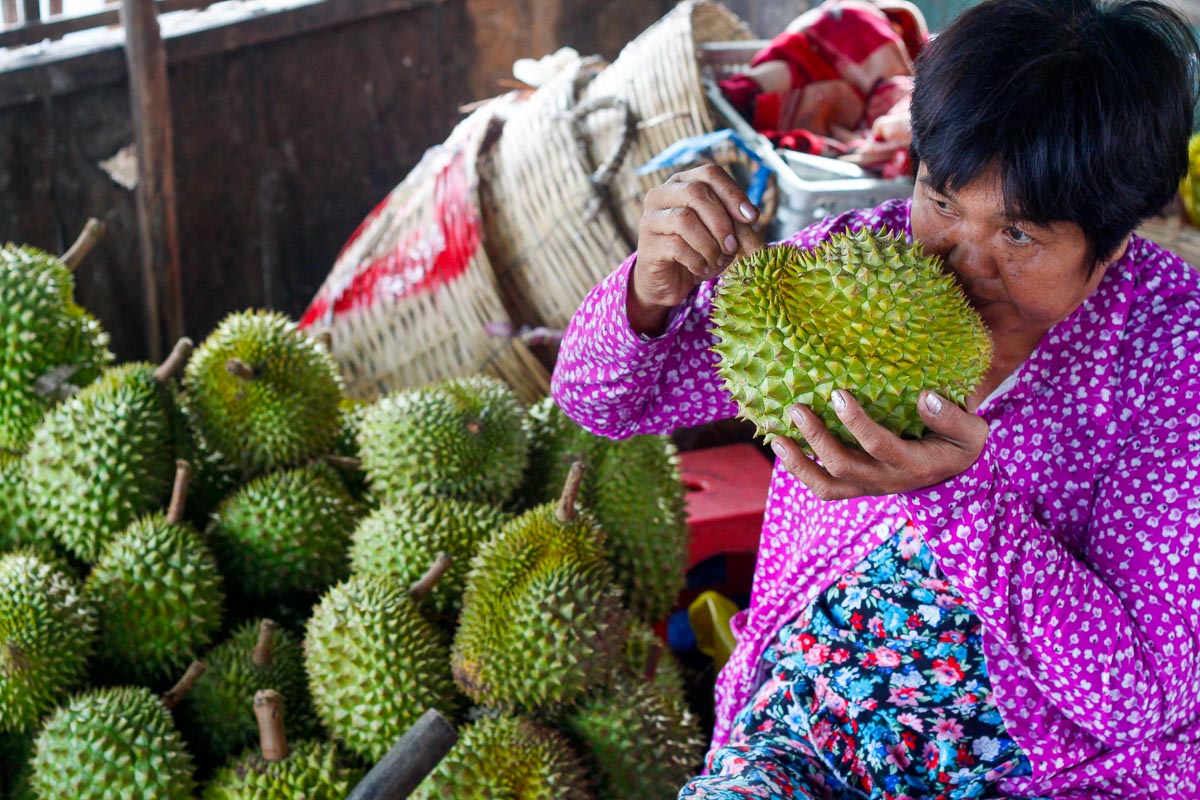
(31,11)
(409,760)
(8,11)
(157,221)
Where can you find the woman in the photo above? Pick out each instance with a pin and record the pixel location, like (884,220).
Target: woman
(1009,606)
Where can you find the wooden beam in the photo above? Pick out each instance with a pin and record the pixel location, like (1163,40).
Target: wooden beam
(157,223)
(8,12)
(31,11)
(58,28)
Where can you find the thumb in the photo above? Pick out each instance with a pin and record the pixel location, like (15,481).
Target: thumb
(749,240)
(951,421)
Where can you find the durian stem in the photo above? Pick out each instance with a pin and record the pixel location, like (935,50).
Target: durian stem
(432,575)
(240,369)
(474,427)
(93,232)
(272,738)
(325,340)
(566,502)
(176,693)
(749,240)
(266,640)
(183,477)
(342,462)
(175,361)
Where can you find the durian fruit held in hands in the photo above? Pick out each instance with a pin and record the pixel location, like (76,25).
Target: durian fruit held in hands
(865,312)
(279,770)
(263,393)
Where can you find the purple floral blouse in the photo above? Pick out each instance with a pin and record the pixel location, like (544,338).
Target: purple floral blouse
(1073,536)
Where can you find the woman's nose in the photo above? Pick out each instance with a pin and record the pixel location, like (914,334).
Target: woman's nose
(967,258)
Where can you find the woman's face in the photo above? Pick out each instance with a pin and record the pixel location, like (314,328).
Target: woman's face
(1021,278)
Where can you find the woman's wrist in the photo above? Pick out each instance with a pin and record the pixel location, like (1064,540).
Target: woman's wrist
(645,318)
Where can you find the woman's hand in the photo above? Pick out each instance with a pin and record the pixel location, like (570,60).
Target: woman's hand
(887,464)
(692,227)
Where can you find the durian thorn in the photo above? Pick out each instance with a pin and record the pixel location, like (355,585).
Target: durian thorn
(272,738)
(266,640)
(565,512)
(342,462)
(183,478)
(436,570)
(240,369)
(653,657)
(93,231)
(176,693)
(180,353)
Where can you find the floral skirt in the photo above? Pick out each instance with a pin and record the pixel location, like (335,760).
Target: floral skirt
(878,690)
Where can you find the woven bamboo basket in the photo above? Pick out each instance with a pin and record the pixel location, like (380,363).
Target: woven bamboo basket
(412,297)
(1174,234)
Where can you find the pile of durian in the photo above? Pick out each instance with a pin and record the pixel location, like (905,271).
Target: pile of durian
(221,578)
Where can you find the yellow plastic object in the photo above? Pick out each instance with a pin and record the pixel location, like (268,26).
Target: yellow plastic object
(709,616)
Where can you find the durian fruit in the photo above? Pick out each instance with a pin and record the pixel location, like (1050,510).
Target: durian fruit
(217,713)
(865,312)
(278,770)
(375,664)
(18,524)
(635,492)
(49,347)
(157,593)
(345,448)
(47,633)
(638,736)
(462,437)
(262,393)
(105,456)
(512,758)
(213,477)
(1189,184)
(115,744)
(285,532)
(401,539)
(541,622)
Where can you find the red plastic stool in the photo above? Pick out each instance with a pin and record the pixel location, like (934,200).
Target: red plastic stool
(727,494)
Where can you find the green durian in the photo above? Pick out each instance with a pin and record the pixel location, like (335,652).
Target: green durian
(157,593)
(285,532)
(112,744)
(345,448)
(262,393)
(375,664)
(634,491)
(277,770)
(105,456)
(47,634)
(462,437)
(401,540)
(508,757)
(217,714)
(18,524)
(213,477)
(865,312)
(541,622)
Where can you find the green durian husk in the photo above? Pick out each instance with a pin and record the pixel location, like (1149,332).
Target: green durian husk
(112,744)
(375,664)
(285,532)
(350,416)
(864,312)
(18,523)
(47,634)
(213,478)
(313,770)
(286,415)
(541,622)
(463,438)
(159,599)
(512,758)
(636,494)
(217,714)
(401,540)
(102,458)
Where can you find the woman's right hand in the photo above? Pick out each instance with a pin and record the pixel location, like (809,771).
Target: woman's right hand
(692,228)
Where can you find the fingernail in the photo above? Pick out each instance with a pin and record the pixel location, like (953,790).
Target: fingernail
(933,403)
(797,417)
(839,402)
(779,449)
(730,244)
(748,212)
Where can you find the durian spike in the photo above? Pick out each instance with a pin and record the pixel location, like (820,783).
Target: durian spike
(266,640)
(272,738)
(566,502)
(175,361)
(93,232)
(240,369)
(342,462)
(176,693)
(183,477)
(424,585)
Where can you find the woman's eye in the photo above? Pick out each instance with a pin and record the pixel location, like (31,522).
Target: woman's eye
(1017,235)
(942,205)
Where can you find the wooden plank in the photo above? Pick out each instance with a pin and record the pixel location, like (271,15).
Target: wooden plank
(31,11)
(8,12)
(157,223)
(58,28)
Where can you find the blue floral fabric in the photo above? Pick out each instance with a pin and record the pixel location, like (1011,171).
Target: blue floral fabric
(878,690)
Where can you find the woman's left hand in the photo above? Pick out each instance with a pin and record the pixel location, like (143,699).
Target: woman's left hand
(886,464)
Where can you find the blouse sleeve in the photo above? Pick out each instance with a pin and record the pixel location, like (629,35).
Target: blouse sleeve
(1108,633)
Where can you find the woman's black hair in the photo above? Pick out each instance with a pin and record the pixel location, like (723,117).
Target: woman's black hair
(1084,107)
